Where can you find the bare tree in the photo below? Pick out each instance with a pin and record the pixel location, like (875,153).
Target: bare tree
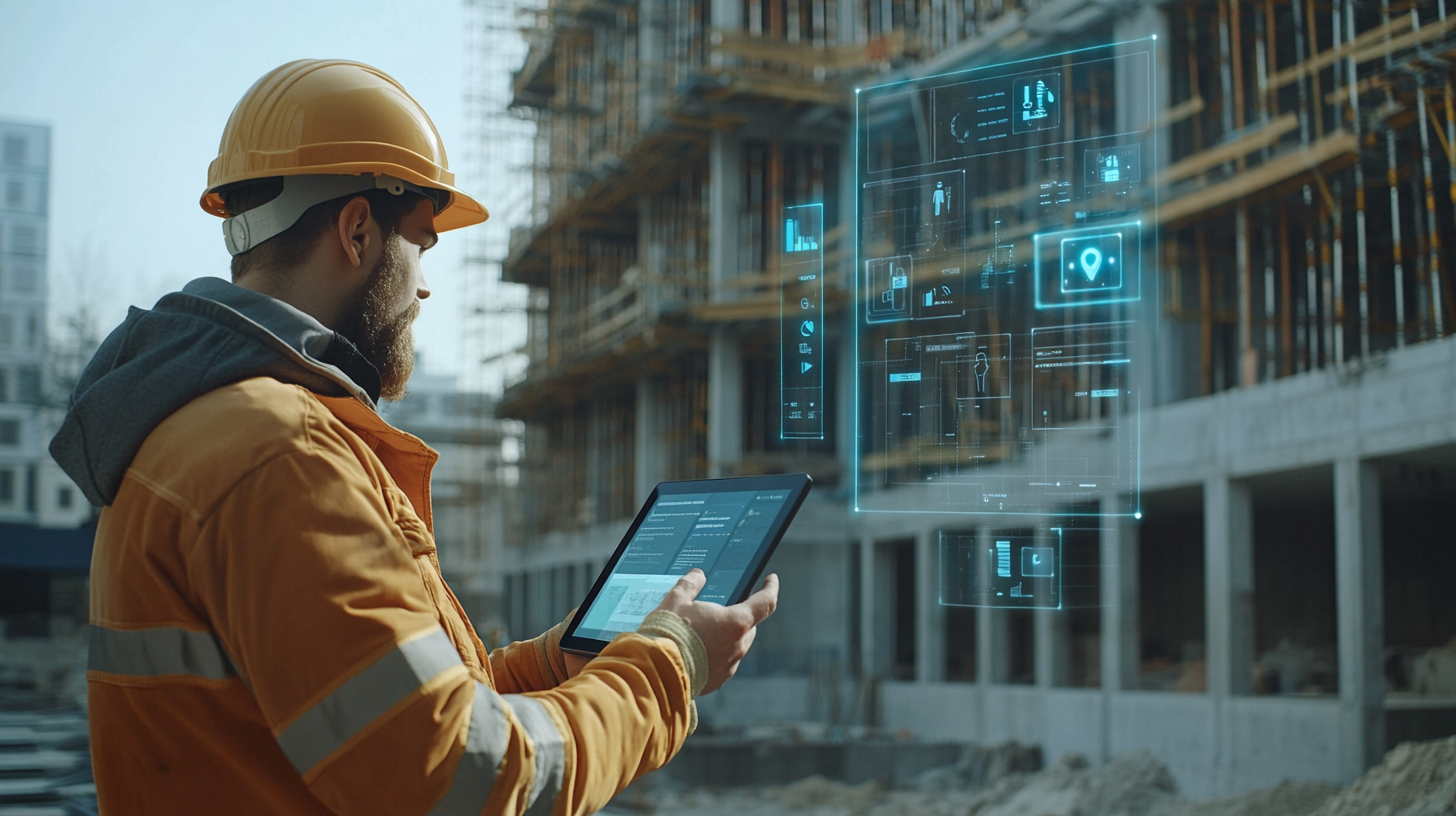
(75,328)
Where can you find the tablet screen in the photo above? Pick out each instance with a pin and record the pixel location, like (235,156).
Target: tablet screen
(718,533)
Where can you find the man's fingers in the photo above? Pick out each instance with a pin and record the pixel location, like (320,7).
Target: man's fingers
(691,584)
(762,603)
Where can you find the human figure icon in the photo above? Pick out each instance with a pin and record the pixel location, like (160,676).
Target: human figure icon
(982,368)
(940,198)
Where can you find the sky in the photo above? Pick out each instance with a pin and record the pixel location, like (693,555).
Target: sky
(136,95)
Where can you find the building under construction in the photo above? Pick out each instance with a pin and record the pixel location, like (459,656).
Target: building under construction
(1280,610)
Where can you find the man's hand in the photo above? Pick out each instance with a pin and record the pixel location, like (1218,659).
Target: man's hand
(727,631)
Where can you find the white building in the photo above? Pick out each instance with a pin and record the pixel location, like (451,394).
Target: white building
(33,490)
(44,549)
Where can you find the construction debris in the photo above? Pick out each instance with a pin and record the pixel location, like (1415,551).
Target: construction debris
(1416,779)
(1434,673)
(45,763)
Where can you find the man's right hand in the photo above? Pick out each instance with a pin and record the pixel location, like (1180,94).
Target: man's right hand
(727,631)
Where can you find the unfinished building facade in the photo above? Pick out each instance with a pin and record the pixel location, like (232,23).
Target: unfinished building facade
(1278,609)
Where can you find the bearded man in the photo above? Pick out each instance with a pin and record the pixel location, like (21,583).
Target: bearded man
(270,629)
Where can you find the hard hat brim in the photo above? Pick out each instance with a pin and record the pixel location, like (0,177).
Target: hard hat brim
(462,211)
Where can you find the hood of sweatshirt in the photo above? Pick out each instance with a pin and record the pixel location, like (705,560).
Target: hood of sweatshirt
(210,334)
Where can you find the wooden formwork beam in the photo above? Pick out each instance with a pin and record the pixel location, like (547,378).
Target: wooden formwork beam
(1280,168)
(1260,138)
(1373,44)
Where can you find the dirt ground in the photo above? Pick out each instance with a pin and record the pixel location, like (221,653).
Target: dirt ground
(1415,779)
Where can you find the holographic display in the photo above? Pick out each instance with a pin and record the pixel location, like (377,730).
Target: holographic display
(1006,255)
(801,323)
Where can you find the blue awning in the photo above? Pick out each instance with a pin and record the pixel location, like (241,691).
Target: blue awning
(24,546)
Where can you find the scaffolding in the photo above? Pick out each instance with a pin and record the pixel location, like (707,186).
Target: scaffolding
(1306,204)
(1296,153)
(498,158)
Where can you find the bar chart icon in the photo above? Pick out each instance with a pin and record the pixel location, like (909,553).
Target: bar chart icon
(1003,559)
(795,240)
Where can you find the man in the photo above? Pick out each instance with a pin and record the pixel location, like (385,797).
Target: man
(270,630)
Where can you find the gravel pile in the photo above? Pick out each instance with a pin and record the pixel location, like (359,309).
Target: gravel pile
(1285,799)
(1416,779)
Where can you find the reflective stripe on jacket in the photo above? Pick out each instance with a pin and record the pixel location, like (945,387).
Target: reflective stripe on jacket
(271,634)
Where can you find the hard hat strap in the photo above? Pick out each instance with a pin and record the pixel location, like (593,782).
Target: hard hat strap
(246,230)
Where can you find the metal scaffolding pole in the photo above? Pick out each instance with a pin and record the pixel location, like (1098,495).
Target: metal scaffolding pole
(1352,77)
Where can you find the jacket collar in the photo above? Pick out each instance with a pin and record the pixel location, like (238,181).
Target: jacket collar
(407,458)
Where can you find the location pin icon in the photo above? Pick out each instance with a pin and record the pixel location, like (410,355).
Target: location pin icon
(1091,261)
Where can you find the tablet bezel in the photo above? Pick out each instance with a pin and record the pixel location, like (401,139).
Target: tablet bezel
(797,483)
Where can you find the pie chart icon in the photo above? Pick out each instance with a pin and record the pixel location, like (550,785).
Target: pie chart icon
(807,329)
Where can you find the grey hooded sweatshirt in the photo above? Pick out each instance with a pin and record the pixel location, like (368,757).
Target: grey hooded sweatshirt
(210,334)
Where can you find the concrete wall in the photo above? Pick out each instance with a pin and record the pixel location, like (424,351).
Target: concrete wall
(1233,448)
(1209,747)
(1225,448)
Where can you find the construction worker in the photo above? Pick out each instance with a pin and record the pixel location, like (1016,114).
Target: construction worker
(270,629)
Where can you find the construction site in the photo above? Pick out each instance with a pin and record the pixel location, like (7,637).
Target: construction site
(1254,618)
(1279,607)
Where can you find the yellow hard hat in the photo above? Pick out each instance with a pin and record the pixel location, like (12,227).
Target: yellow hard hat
(333,118)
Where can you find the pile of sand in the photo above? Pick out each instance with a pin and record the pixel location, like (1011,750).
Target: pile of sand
(1416,779)
(1285,799)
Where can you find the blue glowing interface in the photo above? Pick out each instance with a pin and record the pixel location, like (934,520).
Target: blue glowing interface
(1002,570)
(801,323)
(1006,232)
(719,533)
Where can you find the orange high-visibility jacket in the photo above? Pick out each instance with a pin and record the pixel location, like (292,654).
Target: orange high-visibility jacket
(271,634)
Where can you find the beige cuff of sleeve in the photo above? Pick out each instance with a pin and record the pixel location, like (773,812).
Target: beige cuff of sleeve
(674,627)
(548,652)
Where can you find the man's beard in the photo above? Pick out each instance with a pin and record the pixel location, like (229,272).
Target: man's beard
(383,336)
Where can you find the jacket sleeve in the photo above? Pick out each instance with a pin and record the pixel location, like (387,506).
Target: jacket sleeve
(313,589)
(531,665)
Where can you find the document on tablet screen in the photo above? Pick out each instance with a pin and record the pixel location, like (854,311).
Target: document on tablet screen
(718,533)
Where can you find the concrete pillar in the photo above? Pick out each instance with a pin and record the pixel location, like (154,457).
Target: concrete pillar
(725,403)
(885,608)
(1157,372)
(844,269)
(725,366)
(847,380)
(993,631)
(1119,566)
(1361,619)
(929,614)
(1228,553)
(867,620)
(647,465)
(727,14)
(850,29)
(650,36)
(1053,644)
(724,177)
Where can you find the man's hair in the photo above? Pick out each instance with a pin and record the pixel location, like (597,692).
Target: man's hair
(288,248)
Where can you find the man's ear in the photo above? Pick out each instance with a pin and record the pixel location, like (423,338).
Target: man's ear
(353,230)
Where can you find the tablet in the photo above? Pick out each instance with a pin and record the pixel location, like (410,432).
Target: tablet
(728,528)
